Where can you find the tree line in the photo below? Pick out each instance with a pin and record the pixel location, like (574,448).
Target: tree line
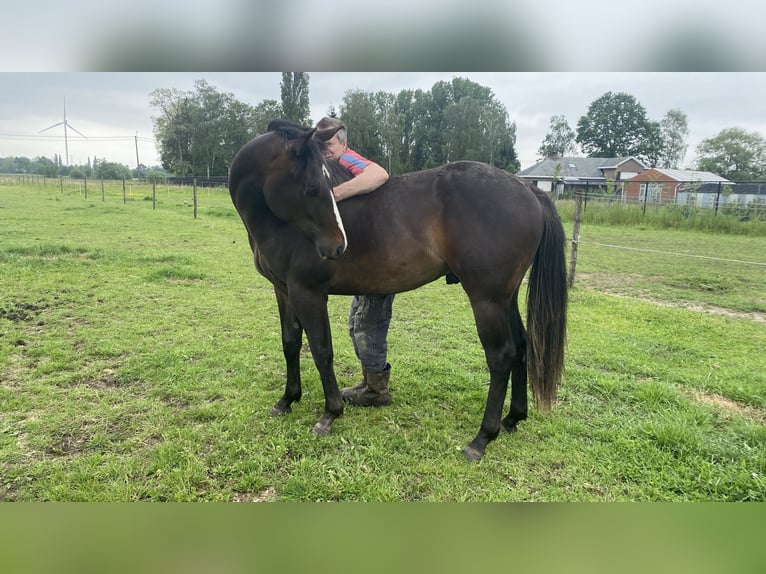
(96,168)
(198,132)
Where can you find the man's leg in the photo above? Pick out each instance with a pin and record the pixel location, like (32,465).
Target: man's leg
(369,320)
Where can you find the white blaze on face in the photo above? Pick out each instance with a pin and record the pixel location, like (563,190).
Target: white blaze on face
(340,223)
(326,173)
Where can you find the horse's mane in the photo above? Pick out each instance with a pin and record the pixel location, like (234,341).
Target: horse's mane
(289,130)
(338,173)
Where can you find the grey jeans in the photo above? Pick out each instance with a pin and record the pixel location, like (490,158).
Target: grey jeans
(368,322)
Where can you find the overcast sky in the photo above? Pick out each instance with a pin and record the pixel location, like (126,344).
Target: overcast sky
(112,109)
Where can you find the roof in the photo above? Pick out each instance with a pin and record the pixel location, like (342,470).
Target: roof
(755,188)
(688,175)
(575,167)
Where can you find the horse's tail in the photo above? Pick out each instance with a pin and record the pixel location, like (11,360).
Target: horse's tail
(547,308)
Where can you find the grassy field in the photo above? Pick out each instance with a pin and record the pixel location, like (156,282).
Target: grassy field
(140,355)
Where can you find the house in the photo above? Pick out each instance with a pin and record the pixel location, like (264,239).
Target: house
(664,185)
(718,194)
(561,172)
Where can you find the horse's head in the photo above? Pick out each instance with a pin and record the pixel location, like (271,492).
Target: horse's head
(298,188)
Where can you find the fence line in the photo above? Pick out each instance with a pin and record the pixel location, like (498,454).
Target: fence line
(672,253)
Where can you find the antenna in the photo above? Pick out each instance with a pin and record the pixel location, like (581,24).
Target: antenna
(66,125)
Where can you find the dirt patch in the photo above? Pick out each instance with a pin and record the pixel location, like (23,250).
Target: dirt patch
(625,288)
(69,444)
(267,495)
(22,312)
(753,414)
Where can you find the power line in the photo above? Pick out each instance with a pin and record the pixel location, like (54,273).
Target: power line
(34,137)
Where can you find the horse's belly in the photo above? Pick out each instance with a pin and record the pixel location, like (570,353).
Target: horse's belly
(371,275)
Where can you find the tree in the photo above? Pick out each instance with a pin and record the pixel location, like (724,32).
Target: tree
(560,139)
(616,125)
(462,120)
(199,132)
(110,170)
(417,129)
(173,128)
(735,154)
(263,113)
(295,97)
(358,112)
(674,129)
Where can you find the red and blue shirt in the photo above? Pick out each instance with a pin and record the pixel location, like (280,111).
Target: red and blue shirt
(353,162)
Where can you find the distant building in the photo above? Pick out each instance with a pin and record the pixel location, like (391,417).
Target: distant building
(664,185)
(559,173)
(719,194)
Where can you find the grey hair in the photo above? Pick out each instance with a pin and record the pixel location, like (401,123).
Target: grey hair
(327,123)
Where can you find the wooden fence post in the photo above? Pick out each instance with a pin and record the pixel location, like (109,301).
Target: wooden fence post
(195,197)
(124,194)
(575,237)
(154,195)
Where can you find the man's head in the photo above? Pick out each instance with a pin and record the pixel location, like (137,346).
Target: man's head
(337,144)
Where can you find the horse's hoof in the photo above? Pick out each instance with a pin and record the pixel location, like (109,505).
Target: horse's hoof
(509,429)
(472,454)
(321,429)
(278,411)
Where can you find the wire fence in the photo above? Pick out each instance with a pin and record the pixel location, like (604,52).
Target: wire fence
(745,199)
(592,208)
(183,191)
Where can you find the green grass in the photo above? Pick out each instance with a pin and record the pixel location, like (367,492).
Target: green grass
(140,354)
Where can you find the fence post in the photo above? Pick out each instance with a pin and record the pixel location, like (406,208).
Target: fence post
(85,184)
(154,195)
(124,194)
(575,236)
(61,184)
(103,196)
(194,181)
(717,197)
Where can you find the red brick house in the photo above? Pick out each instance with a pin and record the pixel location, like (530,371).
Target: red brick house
(662,185)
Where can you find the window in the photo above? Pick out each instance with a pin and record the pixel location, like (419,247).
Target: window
(650,192)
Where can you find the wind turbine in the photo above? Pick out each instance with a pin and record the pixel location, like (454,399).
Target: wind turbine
(66,125)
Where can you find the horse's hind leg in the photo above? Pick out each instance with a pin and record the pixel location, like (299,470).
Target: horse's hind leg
(292,340)
(518,410)
(493,325)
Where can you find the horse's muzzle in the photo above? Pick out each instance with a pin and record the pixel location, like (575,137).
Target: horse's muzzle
(331,252)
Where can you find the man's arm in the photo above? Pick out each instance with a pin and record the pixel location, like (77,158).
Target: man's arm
(371,178)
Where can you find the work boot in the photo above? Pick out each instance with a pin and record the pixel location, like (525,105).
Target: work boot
(373,392)
(350,391)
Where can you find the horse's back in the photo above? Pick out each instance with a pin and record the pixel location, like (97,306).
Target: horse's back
(466,217)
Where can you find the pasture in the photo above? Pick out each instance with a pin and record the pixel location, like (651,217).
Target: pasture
(140,356)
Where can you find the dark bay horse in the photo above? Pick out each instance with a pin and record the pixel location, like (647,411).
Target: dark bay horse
(473,222)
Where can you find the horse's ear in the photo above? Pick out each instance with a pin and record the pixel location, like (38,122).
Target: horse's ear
(303,141)
(324,135)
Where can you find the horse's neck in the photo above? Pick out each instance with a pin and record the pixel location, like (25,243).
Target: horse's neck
(263,221)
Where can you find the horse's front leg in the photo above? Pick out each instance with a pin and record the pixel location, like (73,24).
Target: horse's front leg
(292,340)
(311,307)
